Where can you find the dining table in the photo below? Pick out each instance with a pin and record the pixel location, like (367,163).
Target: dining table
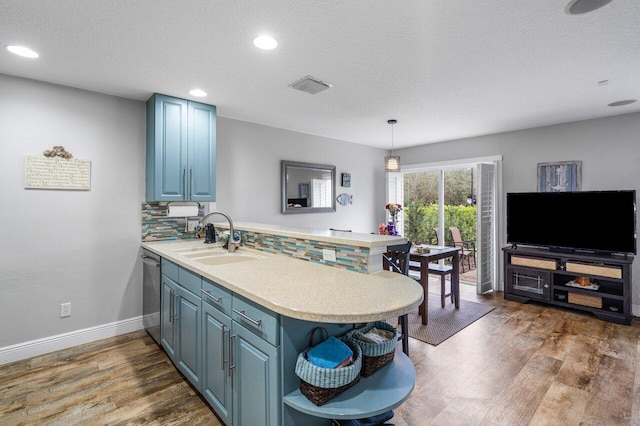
(426,254)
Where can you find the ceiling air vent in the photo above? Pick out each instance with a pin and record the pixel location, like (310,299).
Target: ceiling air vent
(311,85)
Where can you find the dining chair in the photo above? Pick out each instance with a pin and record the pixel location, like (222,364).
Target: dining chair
(396,259)
(467,248)
(442,270)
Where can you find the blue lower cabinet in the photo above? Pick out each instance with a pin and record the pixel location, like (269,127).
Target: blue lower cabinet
(216,372)
(256,380)
(167,329)
(180,327)
(188,324)
(232,360)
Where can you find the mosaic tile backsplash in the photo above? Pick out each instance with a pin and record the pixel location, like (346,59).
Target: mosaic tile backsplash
(347,257)
(156,226)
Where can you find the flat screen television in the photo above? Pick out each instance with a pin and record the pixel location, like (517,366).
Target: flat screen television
(590,221)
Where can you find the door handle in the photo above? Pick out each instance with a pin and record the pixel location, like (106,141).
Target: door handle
(170,306)
(175,309)
(184,183)
(224,353)
(190,182)
(231,355)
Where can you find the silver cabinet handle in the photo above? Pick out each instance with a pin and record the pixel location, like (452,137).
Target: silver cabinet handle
(170,306)
(231,356)
(184,183)
(175,309)
(224,353)
(248,318)
(215,299)
(190,181)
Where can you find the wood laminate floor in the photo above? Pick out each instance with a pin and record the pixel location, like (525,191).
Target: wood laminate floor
(522,364)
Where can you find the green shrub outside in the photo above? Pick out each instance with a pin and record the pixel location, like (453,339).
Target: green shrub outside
(420,219)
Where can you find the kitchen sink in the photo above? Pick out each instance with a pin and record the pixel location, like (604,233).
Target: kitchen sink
(206,253)
(204,249)
(216,255)
(227,258)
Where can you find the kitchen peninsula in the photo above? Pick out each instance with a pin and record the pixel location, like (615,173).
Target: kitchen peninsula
(250,314)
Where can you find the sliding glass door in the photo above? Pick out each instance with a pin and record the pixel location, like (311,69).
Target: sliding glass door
(456,206)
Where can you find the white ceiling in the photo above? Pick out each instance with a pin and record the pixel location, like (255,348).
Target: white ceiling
(444,69)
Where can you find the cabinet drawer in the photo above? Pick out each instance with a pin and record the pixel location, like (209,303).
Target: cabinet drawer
(190,281)
(603,271)
(169,269)
(216,296)
(257,319)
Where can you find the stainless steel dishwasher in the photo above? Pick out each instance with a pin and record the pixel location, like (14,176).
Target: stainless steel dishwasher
(151,285)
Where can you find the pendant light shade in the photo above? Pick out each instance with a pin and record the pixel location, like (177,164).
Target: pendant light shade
(392,162)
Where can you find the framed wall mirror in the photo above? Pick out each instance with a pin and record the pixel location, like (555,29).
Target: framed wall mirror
(308,187)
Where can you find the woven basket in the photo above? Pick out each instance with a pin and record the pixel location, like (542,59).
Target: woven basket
(319,384)
(584,300)
(374,355)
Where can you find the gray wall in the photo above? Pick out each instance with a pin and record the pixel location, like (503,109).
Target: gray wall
(248,176)
(83,246)
(69,246)
(608,148)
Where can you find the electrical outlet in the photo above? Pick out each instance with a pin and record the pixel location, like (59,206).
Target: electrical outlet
(328,255)
(65,310)
(191,225)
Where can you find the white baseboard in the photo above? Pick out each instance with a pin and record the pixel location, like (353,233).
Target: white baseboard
(63,341)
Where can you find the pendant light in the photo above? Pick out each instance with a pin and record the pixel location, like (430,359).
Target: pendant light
(392,162)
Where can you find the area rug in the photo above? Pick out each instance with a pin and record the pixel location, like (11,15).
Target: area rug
(444,322)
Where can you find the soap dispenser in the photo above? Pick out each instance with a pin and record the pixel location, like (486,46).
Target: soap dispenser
(209,233)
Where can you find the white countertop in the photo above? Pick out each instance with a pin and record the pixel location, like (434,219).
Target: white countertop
(304,290)
(336,237)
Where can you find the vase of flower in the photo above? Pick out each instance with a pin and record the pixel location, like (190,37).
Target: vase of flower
(393,209)
(391,228)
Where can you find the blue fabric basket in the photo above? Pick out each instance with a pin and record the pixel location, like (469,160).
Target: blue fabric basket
(374,355)
(320,384)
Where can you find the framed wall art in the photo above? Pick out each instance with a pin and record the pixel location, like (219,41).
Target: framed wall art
(346,180)
(562,176)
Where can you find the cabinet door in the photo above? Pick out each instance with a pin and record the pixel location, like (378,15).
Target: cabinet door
(202,152)
(167,149)
(188,335)
(167,329)
(256,379)
(216,374)
(528,282)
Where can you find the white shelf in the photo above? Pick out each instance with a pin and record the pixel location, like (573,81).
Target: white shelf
(384,390)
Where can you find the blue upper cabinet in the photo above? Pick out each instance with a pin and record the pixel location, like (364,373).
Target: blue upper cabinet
(181,150)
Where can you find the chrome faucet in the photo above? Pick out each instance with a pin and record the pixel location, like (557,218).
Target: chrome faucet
(232,244)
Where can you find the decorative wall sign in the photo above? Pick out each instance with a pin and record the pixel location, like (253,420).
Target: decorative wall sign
(563,176)
(344,199)
(56,173)
(346,180)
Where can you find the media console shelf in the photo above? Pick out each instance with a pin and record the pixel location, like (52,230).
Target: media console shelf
(600,284)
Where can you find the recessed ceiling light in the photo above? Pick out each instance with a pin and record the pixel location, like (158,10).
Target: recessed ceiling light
(578,7)
(23,51)
(265,42)
(621,103)
(198,93)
